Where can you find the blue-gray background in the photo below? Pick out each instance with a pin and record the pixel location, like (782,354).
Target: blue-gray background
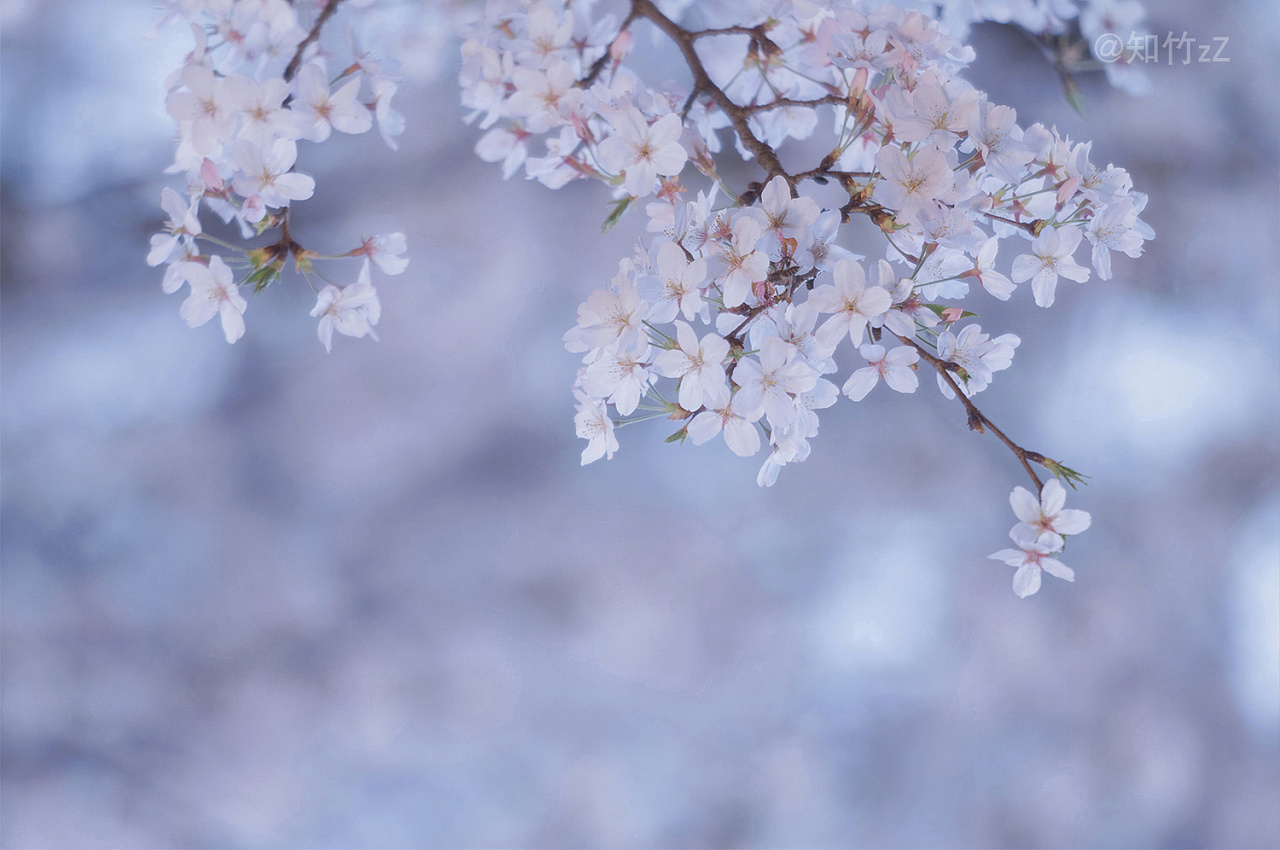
(255,595)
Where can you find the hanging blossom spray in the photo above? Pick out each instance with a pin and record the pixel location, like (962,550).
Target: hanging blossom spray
(729,316)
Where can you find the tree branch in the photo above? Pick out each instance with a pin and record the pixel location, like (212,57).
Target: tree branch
(978,420)
(331,6)
(702,82)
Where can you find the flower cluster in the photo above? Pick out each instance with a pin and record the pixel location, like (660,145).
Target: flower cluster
(731,314)
(256,83)
(1041,533)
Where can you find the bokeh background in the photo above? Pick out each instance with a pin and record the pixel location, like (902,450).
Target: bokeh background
(255,595)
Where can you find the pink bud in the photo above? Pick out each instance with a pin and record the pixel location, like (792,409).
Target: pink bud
(951,315)
(1067,189)
(621,46)
(859,84)
(253,209)
(212,179)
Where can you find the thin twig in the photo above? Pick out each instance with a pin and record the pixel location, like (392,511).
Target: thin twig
(978,420)
(296,61)
(702,82)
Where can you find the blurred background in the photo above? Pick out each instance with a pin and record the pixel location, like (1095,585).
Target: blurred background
(255,595)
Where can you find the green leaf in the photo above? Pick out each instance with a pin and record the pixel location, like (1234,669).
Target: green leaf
(619,207)
(1075,96)
(1066,473)
(678,436)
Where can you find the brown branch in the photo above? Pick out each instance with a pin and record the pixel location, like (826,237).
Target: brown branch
(294,63)
(702,82)
(599,64)
(780,102)
(1032,227)
(978,420)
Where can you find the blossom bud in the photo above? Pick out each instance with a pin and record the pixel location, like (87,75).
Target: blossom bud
(213,181)
(621,47)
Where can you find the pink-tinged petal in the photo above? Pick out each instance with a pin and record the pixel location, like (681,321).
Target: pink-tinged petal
(892,163)
(613,153)
(874,301)
(1048,541)
(1026,580)
(198,308)
(704,427)
(850,279)
(997,285)
(1026,506)
(1056,568)
(901,379)
(776,195)
(686,338)
(1025,537)
(671,364)
(1043,287)
(162,247)
(640,178)
(1072,270)
(669,159)
(313,88)
(173,278)
(295,187)
(861,382)
(1024,266)
(232,322)
(325,332)
(714,348)
(353,120)
(665,131)
(690,393)
(1052,497)
(1071,521)
(742,437)
(1012,557)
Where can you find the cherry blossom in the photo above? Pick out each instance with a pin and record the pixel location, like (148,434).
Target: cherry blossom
(897,367)
(350,310)
(184,225)
(697,363)
(319,112)
(641,152)
(213,293)
(1050,257)
(753,281)
(620,375)
(594,425)
(771,382)
(270,176)
(679,280)
(852,301)
(912,186)
(1047,517)
(1031,558)
(731,416)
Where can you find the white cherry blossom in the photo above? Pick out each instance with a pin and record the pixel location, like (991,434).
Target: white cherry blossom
(1047,517)
(1032,557)
(350,310)
(697,363)
(1051,256)
(852,301)
(641,152)
(730,416)
(897,367)
(213,293)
